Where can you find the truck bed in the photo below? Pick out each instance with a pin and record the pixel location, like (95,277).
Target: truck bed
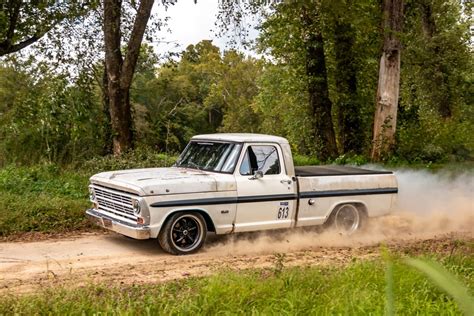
(332,170)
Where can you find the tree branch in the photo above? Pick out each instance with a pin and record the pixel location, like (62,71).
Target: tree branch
(7,48)
(133,48)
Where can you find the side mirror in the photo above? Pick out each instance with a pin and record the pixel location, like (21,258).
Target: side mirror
(257,175)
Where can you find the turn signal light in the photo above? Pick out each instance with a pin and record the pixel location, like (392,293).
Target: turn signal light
(140,221)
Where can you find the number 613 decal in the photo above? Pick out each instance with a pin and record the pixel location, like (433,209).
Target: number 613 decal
(283,212)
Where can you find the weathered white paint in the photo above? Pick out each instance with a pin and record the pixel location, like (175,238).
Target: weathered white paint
(155,185)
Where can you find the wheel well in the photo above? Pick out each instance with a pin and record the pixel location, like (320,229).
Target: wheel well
(209,223)
(360,207)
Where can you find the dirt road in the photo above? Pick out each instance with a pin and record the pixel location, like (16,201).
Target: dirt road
(114,259)
(434,211)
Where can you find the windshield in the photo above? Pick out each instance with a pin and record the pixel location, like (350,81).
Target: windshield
(210,156)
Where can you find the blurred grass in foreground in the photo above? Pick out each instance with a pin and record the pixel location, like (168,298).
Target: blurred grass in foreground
(357,289)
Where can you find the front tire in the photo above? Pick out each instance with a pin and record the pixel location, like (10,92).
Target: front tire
(183,233)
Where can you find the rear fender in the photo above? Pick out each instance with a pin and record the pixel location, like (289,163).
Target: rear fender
(361,206)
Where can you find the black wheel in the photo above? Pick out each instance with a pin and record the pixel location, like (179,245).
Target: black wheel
(347,219)
(183,233)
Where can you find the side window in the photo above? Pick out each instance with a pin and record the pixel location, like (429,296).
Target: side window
(264,158)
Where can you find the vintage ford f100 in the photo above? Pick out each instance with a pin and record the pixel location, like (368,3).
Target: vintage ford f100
(229,183)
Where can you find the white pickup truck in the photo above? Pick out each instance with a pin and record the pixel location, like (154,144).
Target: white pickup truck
(230,183)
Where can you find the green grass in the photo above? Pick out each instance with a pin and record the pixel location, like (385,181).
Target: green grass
(358,289)
(42,199)
(47,198)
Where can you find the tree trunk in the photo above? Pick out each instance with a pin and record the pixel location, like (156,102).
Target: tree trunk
(385,119)
(120,71)
(107,149)
(441,97)
(321,105)
(351,133)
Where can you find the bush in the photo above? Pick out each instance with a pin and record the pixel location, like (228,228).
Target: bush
(138,158)
(300,160)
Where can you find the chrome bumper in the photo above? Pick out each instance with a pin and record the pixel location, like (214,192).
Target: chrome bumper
(133,231)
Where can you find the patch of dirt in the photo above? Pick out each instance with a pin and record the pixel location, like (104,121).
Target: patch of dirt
(38,236)
(114,259)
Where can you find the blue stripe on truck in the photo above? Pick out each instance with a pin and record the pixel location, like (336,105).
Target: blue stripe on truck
(273,197)
(313,194)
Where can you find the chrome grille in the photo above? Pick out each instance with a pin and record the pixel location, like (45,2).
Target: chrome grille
(115,203)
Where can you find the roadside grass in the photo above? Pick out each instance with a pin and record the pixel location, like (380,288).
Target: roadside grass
(49,198)
(41,198)
(357,289)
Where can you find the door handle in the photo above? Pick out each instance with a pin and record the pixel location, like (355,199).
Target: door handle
(285,181)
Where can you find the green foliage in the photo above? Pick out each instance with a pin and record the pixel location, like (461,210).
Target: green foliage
(47,116)
(321,290)
(300,160)
(42,198)
(347,159)
(46,178)
(205,91)
(23,23)
(283,97)
(282,103)
(41,212)
(234,93)
(446,281)
(436,118)
(138,158)
(43,118)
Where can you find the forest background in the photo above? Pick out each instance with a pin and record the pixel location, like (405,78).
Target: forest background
(55,102)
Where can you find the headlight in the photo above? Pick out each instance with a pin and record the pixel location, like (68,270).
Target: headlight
(136,206)
(91,194)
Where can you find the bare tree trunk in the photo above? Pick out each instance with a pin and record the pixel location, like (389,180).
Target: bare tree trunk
(385,119)
(107,137)
(120,71)
(321,105)
(351,133)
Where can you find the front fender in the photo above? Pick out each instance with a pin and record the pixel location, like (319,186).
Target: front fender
(222,227)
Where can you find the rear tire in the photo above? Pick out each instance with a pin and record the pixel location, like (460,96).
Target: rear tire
(347,219)
(183,233)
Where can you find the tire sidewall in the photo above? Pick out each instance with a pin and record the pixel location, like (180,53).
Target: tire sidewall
(165,236)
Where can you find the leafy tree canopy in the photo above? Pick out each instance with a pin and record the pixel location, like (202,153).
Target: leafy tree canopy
(22,23)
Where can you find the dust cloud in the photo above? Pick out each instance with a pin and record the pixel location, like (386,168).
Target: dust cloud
(427,205)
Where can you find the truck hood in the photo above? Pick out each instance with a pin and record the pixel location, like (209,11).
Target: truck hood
(158,181)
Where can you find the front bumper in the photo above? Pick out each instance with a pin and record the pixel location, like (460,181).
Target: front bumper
(133,231)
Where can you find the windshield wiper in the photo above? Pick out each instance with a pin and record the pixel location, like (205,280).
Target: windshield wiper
(192,164)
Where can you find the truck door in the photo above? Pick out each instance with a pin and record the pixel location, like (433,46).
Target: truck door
(266,195)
